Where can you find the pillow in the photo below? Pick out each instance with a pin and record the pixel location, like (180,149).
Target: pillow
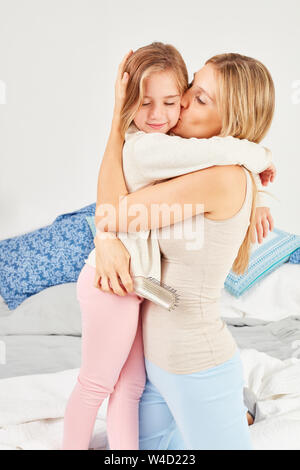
(53,311)
(295,257)
(275,250)
(51,255)
(91,221)
(272,298)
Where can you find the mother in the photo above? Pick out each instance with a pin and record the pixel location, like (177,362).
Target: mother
(194,371)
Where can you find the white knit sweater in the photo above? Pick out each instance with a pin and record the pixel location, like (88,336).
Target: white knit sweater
(148,158)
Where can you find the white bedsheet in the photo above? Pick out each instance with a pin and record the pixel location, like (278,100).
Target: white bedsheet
(275,297)
(32,407)
(276,384)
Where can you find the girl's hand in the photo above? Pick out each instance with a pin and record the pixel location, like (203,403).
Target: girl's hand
(121,85)
(268,175)
(263,222)
(112,264)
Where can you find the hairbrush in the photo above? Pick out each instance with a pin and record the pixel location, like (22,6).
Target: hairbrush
(158,292)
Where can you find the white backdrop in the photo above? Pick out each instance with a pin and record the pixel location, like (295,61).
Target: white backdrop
(58,61)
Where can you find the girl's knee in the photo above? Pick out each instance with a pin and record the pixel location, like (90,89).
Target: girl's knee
(91,391)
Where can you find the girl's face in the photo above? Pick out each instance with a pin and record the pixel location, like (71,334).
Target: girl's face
(160,108)
(199,116)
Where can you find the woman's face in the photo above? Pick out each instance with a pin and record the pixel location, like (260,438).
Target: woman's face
(199,116)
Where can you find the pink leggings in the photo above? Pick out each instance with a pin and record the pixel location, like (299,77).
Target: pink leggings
(112,364)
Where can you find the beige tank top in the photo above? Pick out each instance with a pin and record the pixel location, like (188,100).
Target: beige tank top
(193,337)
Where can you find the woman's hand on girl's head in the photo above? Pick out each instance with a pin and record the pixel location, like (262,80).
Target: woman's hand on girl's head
(112,266)
(263,223)
(121,85)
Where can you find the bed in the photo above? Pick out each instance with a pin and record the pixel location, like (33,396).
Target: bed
(40,348)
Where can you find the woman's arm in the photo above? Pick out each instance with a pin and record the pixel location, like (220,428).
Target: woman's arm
(263,222)
(112,267)
(112,258)
(263,217)
(111,182)
(163,204)
(114,191)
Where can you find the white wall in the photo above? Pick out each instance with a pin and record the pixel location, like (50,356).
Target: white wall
(58,60)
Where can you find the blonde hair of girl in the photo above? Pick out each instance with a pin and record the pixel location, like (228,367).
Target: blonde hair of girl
(246,103)
(156,57)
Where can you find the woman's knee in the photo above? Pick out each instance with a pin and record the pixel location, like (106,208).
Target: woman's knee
(132,388)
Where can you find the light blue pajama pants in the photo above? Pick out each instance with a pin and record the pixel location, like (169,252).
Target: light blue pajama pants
(204,410)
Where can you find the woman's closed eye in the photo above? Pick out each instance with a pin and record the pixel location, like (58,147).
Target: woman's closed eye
(199,100)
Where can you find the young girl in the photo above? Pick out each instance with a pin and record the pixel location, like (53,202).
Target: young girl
(112,348)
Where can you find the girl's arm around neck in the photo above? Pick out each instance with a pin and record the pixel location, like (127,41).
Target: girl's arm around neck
(159,156)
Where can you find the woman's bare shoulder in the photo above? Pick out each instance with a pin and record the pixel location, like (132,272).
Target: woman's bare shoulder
(234,184)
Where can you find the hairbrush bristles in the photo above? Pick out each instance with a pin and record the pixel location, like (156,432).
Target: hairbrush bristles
(170,289)
(159,293)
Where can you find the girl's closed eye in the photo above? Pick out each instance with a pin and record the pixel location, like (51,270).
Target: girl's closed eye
(167,104)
